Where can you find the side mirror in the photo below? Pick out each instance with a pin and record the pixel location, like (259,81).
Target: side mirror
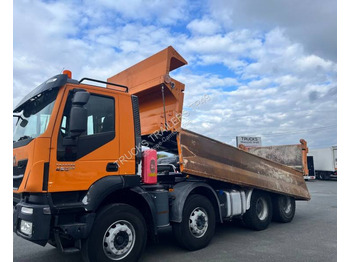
(24,123)
(78,114)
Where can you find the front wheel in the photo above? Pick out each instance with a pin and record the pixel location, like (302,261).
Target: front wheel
(198,223)
(119,234)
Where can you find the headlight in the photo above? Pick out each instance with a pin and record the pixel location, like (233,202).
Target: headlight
(26,227)
(27,210)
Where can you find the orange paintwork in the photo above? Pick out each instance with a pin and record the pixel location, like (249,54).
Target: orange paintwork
(305,150)
(22,153)
(88,169)
(34,181)
(92,167)
(37,152)
(145,79)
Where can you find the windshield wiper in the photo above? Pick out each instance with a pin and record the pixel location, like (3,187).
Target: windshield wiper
(24,137)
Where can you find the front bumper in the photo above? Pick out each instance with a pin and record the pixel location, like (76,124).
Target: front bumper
(40,219)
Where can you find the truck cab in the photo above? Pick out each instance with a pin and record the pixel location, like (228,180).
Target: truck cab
(68,137)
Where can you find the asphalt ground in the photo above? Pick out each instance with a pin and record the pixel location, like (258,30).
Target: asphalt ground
(311,236)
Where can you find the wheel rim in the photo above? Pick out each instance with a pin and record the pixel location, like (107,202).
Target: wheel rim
(198,222)
(119,240)
(261,208)
(286,204)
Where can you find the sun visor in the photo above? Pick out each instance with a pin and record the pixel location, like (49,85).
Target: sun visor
(52,83)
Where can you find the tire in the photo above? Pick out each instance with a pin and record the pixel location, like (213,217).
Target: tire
(283,208)
(258,216)
(119,233)
(320,176)
(198,223)
(327,176)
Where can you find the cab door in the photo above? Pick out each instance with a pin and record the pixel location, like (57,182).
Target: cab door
(93,155)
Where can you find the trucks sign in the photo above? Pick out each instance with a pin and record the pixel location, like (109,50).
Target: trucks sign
(248,141)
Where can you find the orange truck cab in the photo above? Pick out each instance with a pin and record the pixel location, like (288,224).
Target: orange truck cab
(86,177)
(66,143)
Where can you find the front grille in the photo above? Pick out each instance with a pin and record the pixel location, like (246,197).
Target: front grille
(18,173)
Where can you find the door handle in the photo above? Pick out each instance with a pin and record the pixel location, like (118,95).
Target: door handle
(112,167)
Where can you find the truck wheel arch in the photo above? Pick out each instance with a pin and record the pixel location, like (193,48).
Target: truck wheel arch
(124,189)
(183,190)
(106,186)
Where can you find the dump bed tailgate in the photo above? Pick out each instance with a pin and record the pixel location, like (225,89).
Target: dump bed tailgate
(205,157)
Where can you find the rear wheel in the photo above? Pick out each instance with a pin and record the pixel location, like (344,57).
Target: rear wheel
(283,208)
(327,176)
(119,234)
(258,216)
(198,223)
(320,176)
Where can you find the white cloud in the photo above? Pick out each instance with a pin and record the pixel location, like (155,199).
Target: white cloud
(260,82)
(203,27)
(164,11)
(312,24)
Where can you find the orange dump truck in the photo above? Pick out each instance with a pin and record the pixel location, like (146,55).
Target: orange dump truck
(86,178)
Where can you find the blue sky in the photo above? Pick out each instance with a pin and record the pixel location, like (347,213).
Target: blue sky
(269,69)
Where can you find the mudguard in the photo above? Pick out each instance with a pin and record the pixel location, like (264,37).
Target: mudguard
(104,187)
(180,194)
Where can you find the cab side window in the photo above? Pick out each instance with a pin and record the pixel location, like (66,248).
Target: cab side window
(101,115)
(100,127)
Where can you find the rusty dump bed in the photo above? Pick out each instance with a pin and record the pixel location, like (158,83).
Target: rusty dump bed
(205,157)
(294,156)
(160,103)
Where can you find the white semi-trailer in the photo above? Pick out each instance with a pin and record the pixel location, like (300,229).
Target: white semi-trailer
(325,162)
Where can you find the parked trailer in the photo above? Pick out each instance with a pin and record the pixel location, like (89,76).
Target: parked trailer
(325,162)
(294,156)
(82,182)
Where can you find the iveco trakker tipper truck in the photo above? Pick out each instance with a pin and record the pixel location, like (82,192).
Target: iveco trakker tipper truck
(85,173)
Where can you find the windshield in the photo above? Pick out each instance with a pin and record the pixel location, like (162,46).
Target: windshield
(33,120)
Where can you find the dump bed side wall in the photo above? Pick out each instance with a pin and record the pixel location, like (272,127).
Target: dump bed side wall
(205,157)
(289,155)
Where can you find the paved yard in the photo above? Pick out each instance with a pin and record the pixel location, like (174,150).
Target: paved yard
(311,236)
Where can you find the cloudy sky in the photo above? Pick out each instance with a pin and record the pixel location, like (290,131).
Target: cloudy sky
(269,67)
